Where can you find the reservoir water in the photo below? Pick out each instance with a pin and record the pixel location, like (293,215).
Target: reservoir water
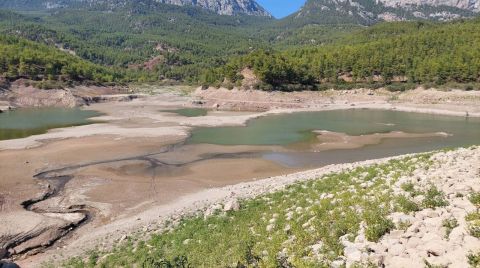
(26,122)
(296,128)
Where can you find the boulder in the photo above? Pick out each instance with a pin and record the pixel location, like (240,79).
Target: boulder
(211,210)
(435,248)
(401,262)
(399,217)
(396,250)
(457,234)
(352,254)
(337,264)
(232,205)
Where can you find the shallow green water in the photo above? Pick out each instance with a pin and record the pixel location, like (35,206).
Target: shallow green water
(293,128)
(189,112)
(26,122)
(297,127)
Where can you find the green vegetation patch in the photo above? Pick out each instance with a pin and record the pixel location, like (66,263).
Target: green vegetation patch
(474,260)
(398,56)
(302,225)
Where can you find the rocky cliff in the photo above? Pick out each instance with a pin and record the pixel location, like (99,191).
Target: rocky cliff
(367,12)
(223,7)
(472,5)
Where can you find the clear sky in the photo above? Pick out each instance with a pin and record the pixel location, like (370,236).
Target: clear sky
(281,8)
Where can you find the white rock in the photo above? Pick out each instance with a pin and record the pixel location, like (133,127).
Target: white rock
(317,247)
(396,250)
(399,217)
(435,248)
(211,210)
(352,254)
(413,242)
(337,264)
(401,262)
(232,205)
(457,234)
(471,243)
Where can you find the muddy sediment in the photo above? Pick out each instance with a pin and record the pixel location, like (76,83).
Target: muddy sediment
(85,178)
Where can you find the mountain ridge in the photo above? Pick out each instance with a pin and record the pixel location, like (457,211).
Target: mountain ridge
(221,7)
(368,12)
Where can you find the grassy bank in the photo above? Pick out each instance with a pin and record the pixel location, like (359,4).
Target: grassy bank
(305,225)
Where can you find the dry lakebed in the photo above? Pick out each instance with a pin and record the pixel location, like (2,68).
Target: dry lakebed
(111,169)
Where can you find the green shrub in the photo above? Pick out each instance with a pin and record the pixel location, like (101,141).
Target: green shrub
(406,205)
(409,188)
(449,224)
(474,260)
(474,228)
(475,199)
(473,220)
(434,198)
(377,226)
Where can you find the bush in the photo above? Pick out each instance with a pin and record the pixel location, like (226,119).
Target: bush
(377,226)
(406,205)
(449,224)
(473,220)
(475,199)
(400,87)
(434,198)
(474,260)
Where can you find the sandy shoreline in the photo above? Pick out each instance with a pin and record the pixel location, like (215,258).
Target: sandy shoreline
(153,220)
(137,129)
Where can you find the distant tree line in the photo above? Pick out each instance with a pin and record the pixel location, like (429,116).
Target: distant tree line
(389,53)
(20,58)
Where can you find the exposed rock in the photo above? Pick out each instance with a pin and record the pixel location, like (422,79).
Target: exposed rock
(435,247)
(403,262)
(223,7)
(352,254)
(270,227)
(316,248)
(399,217)
(211,210)
(462,4)
(250,80)
(370,12)
(232,205)
(337,264)
(396,250)
(37,230)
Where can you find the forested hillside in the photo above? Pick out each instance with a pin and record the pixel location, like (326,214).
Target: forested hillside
(171,42)
(21,58)
(416,53)
(192,45)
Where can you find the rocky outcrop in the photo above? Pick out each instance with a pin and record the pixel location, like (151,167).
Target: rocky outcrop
(472,5)
(438,236)
(372,11)
(223,7)
(20,95)
(46,218)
